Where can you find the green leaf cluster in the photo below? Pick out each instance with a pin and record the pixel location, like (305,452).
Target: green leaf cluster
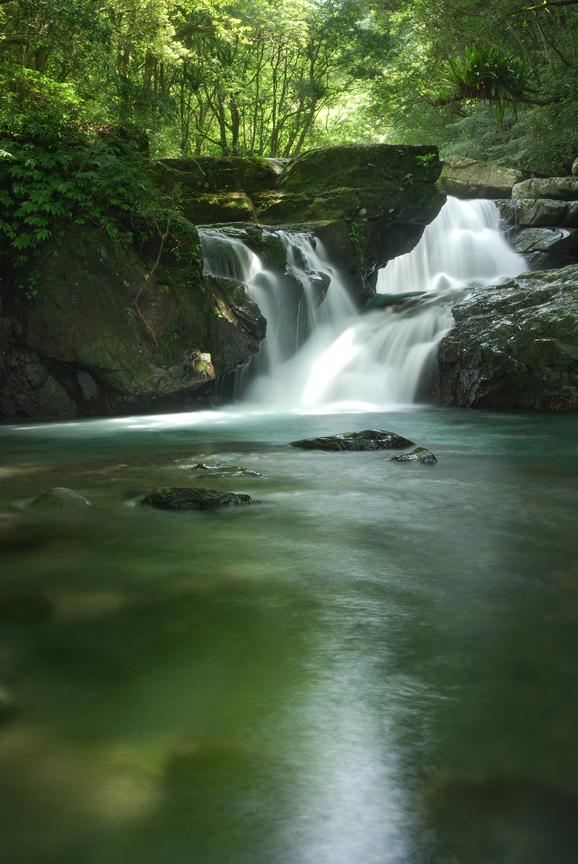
(54,172)
(489,74)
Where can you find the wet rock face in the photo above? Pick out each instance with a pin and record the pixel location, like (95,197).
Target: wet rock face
(194,498)
(543,230)
(514,345)
(368,439)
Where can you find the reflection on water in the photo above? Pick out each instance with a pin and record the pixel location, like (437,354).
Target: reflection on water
(377,665)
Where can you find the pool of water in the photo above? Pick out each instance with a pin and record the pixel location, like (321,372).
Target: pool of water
(377,664)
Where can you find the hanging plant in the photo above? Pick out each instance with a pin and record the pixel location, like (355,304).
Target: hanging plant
(485,74)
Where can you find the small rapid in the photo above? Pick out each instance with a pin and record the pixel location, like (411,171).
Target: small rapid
(328,356)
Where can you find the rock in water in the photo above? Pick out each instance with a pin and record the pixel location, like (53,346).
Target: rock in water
(420,454)
(368,439)
(59,497)
(193,498)
(514,345)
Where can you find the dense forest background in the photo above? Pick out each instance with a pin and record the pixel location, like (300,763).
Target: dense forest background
(83,83)
(261,77)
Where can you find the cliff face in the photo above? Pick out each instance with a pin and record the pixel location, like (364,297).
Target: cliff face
(106,329)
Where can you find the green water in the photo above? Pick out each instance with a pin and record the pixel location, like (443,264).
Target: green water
(378,664)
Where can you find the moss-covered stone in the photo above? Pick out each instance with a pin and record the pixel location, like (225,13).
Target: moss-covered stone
(194,498)
(59,497)
(100,338)
(420,454)
(209,207)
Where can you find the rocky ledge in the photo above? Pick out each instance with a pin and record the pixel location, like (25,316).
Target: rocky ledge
(94,327)
(514,345)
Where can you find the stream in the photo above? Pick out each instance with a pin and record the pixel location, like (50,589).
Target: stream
(376,664)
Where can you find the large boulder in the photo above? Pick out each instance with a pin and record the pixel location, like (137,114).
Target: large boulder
(194,498)
(368,203)
(98,337)
(470,178)
(538,212)
(555,188)
(514,345)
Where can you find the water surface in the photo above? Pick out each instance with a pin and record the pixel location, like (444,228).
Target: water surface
(375,665)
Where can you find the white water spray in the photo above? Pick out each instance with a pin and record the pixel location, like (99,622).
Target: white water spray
(378,358)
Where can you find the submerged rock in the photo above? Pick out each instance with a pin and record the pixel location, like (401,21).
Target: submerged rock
(514,345)
(59,497)
(368,439)
(194,498)
(222,470)
(420,454)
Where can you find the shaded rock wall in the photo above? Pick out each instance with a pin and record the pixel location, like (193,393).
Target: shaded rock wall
(543,230)
(99,338)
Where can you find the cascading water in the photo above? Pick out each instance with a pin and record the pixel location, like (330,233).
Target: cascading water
(322,303)
(375,359)
(380,358)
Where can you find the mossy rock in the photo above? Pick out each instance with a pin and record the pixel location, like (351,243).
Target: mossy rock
(360,166)
(209,207)
(219,173)
(368,439)
(420,454)
(59,497)
(194,498)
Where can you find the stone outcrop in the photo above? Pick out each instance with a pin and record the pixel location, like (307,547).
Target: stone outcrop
(367,203)
(194,498)
(538,213)
(543,230)
(85,345)
(470,178)
(514,345)
(554,188)
(103,329)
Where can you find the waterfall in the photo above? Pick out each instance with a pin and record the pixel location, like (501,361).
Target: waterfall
(307,303)
(330,356)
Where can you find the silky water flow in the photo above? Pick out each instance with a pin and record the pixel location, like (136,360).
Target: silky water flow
(352,361)
(374,664)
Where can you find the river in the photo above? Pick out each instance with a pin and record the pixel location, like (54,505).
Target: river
(377,664)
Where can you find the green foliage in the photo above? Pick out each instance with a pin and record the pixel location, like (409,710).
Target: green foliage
(55,172)
(489,74)
(356,235)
